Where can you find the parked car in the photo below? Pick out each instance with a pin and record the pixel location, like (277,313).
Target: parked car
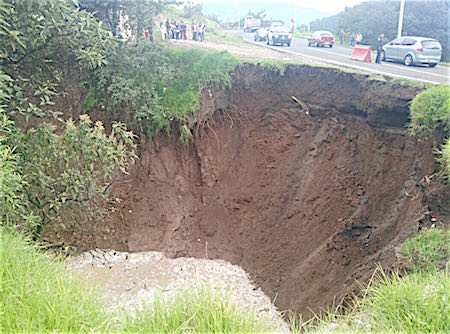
(321,38)
(261,35)
(413,50)
(279,35)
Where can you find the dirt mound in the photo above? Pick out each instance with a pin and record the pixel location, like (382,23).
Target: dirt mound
(306,203)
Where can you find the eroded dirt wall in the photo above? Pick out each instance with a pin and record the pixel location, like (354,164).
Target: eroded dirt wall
(305,203)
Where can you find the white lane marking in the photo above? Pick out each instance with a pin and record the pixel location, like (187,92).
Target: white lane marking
(417,71)
(327,51)
(346,65)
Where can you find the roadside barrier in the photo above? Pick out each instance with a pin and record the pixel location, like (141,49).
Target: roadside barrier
(361,53)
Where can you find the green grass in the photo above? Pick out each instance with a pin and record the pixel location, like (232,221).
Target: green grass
(444,158)
(206,311)
(38,295)
(430,109)
(302,34)
(411,82)
(392,303)
(428,249)
(415,303)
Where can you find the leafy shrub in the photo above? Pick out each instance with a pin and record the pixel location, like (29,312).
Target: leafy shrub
(430,110)
(428,249)
(196,69)
(69,175)
(158,88)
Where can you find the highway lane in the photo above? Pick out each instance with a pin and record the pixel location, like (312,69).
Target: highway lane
(342,56)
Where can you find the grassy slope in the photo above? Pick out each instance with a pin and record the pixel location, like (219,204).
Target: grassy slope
(37,294)
(414,303)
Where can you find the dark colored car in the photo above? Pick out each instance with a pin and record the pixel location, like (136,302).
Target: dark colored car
(321,38)
(261,35)
(411,50)
(279,35)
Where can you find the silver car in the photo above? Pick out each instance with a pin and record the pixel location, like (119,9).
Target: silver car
(413,50)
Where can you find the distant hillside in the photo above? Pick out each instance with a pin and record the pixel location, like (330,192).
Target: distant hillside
(280,10)
(422,18)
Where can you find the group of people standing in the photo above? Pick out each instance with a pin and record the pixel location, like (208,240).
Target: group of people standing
(177,30)
(355,38)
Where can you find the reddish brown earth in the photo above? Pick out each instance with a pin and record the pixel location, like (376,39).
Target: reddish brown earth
(307,204)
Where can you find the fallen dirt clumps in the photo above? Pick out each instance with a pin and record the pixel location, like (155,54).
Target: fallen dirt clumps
(305,203)
(130,280)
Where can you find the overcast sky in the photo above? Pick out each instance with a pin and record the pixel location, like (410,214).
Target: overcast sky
(328,6)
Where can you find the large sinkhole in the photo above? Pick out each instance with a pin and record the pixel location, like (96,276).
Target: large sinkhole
(306,202)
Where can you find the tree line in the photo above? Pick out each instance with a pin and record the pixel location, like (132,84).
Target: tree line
(421,18)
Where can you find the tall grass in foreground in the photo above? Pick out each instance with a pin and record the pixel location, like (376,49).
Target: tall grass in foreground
(205,311)
(415,303)
(38,295)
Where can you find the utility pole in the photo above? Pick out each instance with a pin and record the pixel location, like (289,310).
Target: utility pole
(400,18)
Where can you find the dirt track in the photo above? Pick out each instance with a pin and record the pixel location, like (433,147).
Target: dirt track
(305,203)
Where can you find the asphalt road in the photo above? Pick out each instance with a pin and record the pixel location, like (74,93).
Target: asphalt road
(342,56)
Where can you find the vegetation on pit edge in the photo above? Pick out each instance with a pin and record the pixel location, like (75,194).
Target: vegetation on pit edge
(429,111)
(37,294)
(166,95)
(428,250)
(417,302)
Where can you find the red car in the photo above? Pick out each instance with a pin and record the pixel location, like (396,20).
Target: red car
(321,38)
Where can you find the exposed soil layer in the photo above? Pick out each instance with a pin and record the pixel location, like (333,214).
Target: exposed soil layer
(306,203)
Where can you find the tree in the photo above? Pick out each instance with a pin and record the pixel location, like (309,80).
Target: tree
(122,15)
(43,42)
(50,170)
(192,9)
(68,175)
(421,18)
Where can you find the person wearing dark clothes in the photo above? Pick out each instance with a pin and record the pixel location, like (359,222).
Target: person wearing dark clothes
(168,28)
(380,43)
(150,32)
(183,30)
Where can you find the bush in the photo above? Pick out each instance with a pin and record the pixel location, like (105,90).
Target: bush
(158,89)
(68,176)
(430,110)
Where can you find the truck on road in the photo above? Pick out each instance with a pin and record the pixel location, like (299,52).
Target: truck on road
(251,24)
